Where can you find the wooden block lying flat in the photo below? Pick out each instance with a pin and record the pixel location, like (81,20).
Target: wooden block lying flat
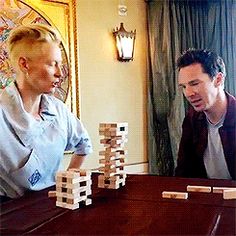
(67,205)
(52,194)
(112,178)
(64,199)
(229,194)
(221,189)
(202,189)
(110,163)
(120,125)
(81,172)
(72,181)
(73,192)
(75,185)
(175,195)
(73,206)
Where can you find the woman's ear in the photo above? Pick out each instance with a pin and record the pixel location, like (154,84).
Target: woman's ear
(23,64)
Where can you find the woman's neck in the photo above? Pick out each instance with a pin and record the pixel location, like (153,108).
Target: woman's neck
(31,101)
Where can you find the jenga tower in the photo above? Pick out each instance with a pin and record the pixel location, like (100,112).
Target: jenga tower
(73,187)
(112,163)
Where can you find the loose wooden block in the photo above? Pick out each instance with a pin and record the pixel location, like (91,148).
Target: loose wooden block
(52,194)
(229,194)
(202,189)
(175,195)
(221,189)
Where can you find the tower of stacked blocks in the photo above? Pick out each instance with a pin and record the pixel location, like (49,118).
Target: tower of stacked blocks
(72,188)
(112,163)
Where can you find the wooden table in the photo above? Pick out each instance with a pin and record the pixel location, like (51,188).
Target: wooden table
(135,209)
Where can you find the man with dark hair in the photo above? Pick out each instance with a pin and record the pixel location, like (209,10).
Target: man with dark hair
(207,147)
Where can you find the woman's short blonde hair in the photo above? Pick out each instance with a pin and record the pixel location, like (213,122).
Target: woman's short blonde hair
(23,38)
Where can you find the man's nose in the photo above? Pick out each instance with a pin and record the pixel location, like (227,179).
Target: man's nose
(189,91)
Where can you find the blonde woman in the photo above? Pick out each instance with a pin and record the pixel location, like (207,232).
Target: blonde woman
(36,128)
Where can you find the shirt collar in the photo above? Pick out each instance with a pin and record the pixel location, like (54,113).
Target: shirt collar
(24,125)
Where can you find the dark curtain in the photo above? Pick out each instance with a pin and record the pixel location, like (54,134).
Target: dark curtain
(174,26)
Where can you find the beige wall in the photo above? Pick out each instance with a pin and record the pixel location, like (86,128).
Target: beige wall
(112,91)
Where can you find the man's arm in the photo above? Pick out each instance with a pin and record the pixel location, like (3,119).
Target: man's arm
(184,153)
(76,161)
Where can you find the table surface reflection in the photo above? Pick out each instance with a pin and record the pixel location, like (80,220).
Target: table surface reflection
(135,209)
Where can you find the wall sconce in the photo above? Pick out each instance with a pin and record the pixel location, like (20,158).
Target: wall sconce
(124,43)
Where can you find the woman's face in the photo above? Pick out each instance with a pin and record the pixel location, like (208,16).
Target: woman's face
(44,68)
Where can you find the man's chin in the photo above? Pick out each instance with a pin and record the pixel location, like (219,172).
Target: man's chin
(199,108)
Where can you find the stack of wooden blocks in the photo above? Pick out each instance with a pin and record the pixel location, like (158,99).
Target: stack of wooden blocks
(113,160)
(72,188)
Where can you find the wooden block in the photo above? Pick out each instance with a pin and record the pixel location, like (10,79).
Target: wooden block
(113,124)
(64,197)
(71,180)
(202,189)
(74,206)
(229,194)
(67,190)
(221,189)
(109,154)
(72,192)
(109,186)
(115,169)
(74,185)
(110,158)
(111,150)
(110,162)
(112,178)
(81,172)
(88,201)
(123,152)
(66,205)
(175,195)
(52,194)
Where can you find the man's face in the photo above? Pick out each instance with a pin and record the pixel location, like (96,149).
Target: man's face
(199,89)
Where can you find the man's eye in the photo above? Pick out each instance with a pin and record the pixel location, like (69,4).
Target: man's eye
(181,87)
(194,84)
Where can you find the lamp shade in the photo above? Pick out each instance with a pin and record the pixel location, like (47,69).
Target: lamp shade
(124,43)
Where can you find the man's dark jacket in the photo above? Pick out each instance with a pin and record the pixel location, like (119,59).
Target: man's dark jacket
(194,142)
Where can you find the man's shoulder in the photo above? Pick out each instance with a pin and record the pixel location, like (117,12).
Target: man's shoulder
(231,99)
(231,111)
